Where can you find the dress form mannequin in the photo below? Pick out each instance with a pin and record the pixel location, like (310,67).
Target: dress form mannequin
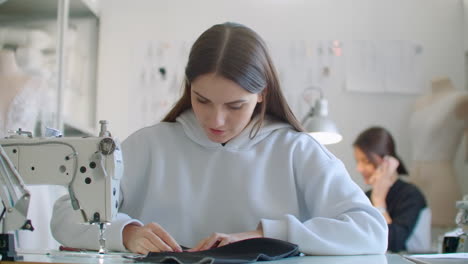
(12,82)
(436,128)
(19,108)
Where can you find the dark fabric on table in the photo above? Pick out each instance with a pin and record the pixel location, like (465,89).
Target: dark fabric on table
(245,251)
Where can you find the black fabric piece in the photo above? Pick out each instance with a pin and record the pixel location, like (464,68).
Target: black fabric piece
(404,203)
(245,251)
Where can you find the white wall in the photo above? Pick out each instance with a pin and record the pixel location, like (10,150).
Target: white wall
(435,24)
(465,29)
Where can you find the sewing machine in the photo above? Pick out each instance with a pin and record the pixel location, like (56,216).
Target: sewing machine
(457,241)
(89,167)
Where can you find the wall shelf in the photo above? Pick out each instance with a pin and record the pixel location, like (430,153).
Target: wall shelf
(46,8)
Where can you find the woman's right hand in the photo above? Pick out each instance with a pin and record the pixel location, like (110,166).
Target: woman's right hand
(148,238)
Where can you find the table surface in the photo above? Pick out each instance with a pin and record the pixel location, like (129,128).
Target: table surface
(91,257)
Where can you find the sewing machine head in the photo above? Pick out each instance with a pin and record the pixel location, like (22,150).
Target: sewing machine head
(457,240)
(89,167)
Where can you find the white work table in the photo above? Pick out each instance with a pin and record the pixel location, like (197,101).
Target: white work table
(77,257)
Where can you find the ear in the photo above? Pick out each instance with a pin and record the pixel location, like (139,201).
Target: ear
(261,96)
(377,158)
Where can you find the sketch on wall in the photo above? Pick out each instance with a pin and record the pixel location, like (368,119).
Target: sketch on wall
(158,80)
(384,67)
(159,72)
(302,64)
(392,66)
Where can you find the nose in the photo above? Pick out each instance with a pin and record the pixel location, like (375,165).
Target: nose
(217,118)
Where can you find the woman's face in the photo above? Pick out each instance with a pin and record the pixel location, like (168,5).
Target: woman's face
(222,107)
(364,165)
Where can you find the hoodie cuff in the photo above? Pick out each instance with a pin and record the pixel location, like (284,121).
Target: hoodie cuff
(275,229)
(113,233)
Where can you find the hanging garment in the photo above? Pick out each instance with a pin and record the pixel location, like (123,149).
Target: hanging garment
(244,251)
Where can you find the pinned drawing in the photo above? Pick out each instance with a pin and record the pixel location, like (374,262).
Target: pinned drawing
(384,67)
(157,80)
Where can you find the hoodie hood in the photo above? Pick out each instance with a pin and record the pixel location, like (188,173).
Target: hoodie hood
(195,132)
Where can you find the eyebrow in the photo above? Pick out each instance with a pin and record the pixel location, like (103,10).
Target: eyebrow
(233,102)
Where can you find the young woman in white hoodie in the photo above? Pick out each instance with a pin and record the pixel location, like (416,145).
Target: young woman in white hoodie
(230,162)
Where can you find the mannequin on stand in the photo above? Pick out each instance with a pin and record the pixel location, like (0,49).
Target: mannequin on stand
(437,124)
(20,102)
(15,87)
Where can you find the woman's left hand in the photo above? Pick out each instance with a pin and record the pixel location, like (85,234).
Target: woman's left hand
(221,239)
(384,177)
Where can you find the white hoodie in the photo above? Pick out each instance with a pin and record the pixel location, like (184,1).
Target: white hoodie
(191,186)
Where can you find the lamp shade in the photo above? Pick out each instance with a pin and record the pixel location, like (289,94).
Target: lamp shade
(319,126)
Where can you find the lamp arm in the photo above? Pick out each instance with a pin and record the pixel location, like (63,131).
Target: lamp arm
(312,110)
(310,113)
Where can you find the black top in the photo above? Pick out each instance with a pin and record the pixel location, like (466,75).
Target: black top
(404,203)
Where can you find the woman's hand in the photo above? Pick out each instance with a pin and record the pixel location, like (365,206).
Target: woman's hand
(220,239)
(149,238)
(383,179)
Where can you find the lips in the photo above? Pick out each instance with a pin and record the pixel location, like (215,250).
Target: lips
(216,131)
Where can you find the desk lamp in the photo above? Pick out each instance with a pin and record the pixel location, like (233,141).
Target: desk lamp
(317,123)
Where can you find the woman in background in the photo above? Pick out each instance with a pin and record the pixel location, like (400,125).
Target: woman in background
(399,202)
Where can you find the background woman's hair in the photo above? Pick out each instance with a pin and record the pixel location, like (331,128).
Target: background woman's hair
(239,54)
(378,141)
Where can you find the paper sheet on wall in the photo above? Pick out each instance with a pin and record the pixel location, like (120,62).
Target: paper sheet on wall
(384,67)
(157,80)
(302,64)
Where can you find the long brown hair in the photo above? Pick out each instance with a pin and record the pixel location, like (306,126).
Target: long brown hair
(378,141)
(239,54)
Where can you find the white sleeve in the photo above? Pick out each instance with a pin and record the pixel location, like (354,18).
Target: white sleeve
(339,218)
(69,230)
